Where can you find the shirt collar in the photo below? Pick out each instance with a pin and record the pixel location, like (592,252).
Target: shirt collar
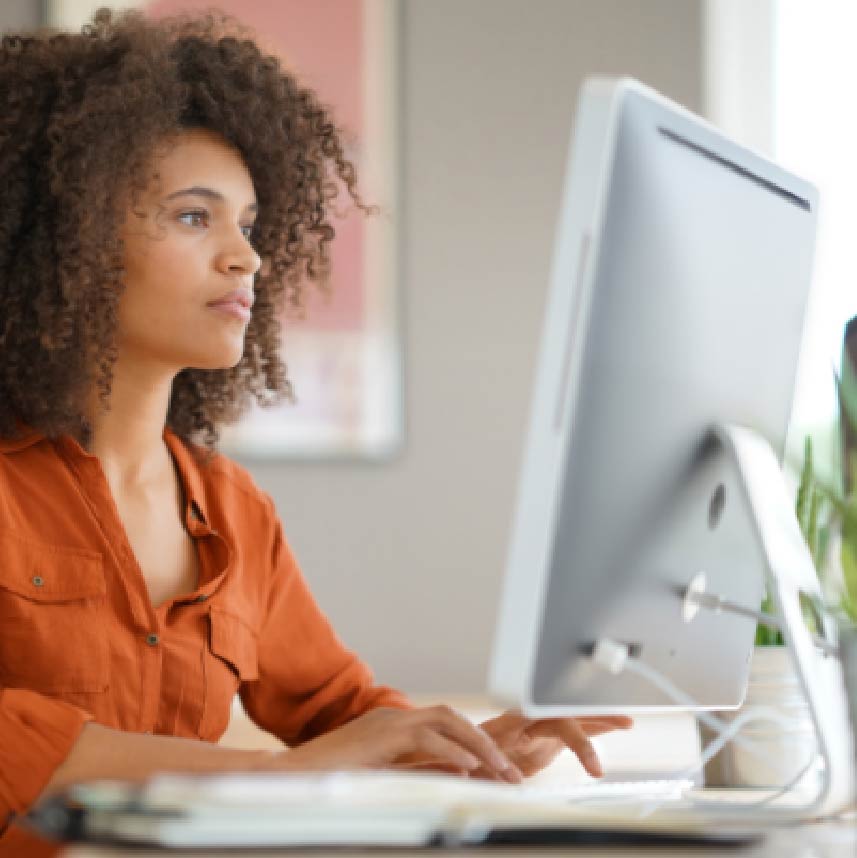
(28,437)
(189,473)
(185,459)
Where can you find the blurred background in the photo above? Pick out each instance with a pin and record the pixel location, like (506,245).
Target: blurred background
(406,550)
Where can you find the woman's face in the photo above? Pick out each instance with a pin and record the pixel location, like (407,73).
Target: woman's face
(186,247)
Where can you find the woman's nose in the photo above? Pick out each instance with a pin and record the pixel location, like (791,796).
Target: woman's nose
(239,256)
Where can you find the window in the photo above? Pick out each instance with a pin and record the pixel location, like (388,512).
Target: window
(780,78)
(815,135)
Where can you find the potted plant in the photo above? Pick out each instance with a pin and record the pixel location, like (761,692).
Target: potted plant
(827,508)
(780,751)
(840,574)
(827,513)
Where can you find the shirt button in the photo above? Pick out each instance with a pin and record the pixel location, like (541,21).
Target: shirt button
(38,580)
(152,640)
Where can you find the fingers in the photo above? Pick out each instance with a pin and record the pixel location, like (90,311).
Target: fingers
(595,725)
(448,752)
(508,721)
(574,737)
(424,762)
(539,756)
(621,722)
(455,727)
(592,728)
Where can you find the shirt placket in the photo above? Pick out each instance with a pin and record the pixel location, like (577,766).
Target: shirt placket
(146,626)
(215,556)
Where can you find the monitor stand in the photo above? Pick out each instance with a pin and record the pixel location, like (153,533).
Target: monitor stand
(791,573)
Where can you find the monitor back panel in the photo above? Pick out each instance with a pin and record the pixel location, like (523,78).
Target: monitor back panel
(686,311)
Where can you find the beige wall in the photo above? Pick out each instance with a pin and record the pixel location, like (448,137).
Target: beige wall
(407,557)
(20,15)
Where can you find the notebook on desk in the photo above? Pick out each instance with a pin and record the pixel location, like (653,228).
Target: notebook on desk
(371,809)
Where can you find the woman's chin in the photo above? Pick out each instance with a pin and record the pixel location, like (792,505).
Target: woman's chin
(216,361)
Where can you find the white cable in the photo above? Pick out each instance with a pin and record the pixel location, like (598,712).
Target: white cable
(720,604)
(768,799)
(732,728)
(716,745)
(615,657)
(718,725)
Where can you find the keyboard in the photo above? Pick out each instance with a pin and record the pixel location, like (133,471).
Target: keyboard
(642,790)
(393,788)
(364,808)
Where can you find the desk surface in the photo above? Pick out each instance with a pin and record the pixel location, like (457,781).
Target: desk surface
(819,840)
(813,840)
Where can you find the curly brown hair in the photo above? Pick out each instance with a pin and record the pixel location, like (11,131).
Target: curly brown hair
(83,113)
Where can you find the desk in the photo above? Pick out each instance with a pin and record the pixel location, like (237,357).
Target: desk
(627,751)
(828,840)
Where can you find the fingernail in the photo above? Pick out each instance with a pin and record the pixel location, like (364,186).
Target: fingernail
(471,762)
(513,774)
(593,765)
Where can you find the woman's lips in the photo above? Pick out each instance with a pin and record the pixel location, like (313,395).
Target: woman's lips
(233,309)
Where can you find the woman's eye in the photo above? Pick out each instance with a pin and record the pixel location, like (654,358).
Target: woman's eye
(195,218)
(201,218)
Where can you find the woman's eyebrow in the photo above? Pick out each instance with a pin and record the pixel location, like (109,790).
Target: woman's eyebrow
(212,194)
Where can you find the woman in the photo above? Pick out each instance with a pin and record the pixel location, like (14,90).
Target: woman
(166,187)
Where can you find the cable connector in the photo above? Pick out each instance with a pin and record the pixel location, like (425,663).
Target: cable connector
(610,655)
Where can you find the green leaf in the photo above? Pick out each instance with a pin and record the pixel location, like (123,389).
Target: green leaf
(805,486)
(849,574)
(820,559)
(765,635)
(812,524)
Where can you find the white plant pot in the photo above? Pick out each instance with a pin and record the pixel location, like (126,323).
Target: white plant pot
(848,652)
(780,750)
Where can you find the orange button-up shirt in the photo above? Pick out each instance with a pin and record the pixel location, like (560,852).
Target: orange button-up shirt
(81,640)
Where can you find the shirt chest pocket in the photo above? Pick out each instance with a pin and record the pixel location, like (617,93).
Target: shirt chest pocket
(52,602)
(230,658)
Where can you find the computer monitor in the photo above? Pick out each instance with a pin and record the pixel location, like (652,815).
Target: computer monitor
(677,298)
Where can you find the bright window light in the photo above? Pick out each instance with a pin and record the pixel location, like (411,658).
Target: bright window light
(815,135)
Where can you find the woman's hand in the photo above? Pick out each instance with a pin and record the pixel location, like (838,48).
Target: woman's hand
(394,737)
(533,744)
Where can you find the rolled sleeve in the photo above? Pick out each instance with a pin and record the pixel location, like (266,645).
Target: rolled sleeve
(36,735)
